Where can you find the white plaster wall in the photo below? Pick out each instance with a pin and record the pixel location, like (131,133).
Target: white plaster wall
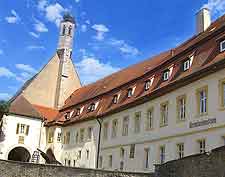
(31,141)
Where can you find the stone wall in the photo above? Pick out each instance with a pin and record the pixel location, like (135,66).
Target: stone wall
(15,169)
(211,164)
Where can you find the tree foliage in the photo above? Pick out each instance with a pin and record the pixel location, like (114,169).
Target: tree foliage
(4,108)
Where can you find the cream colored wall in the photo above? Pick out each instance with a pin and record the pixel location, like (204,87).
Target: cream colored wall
(171,134)
(42,89)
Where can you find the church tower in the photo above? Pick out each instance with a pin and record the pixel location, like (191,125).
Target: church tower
(58,79)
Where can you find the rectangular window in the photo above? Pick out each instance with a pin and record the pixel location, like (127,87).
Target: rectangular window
(186,65)
(129,92)
(201,145)
(69,162)
(132,151)
(87,154)
(90,132)
(180,150)
(222,92)
(59,137)
(50,136)
(147,84)
(82,135)
(222,46)
(146,158)
(149,120)
(166,75)
(162,152)
(115,99)
(22,128)
(125,126)
(74,163)
(105,130)
(67,141)
(122,152)
(77,137)
(121,165)
(110,161)
(137,122)
(79,154)
(181,108)
(164,114)
(202,100)
(114,128)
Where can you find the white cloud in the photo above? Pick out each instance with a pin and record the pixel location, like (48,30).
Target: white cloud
(26,68)
(14,18)
(35,47)
(5,72)
(77,1)
(83,28)
(1,52)
(5,96)
(40,27)
(91,69)
(217,7)
(35,35)
(53,12)
(100,31)
(123,47)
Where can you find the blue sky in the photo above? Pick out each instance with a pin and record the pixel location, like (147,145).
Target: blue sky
(110,35)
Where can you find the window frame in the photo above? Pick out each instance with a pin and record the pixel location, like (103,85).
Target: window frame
(181,109)
(115,99)
(149,119)
(164,118)
(162,154)
(180,150)
(125,127)
(105,130)
(137,122)
(132,151)
(147,84)
(199,101)
(202,145)
(114,128)
(166,73)
(186,64)
(222,93)
(130,92)
(221,46)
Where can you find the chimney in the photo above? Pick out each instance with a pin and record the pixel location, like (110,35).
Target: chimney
(203,20)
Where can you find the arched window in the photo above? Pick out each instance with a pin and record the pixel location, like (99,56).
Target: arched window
(70,30)
(64,30)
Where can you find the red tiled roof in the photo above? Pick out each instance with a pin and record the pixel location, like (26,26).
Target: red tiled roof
(207,57)
(47,113)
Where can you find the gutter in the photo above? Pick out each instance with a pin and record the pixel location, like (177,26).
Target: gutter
(99,142)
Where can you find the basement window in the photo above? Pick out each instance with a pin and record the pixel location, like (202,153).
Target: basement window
(222,46)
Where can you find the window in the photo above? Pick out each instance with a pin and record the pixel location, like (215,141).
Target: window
(105,130)
(181,110)
(64,30)
(110,161)
(146,158)
(129,92)
(122,152)
(137,122)
(115,99)
(87,154)
(77,112)
(147,84)
(50,136)
(201,145)
(186,64)
(77,137)
(69,162)
(22,129)
(59,137)
(114,128)
(222,46)
(65,162)
(70,30)
(67,115)
(180,150)
(166,75)
(132,151)
(125,126)
(90,130)
(149,120)
(121,165)
(91,107)
(100,162)
(74,163)
(67,138)
(202,94)
(222,92)
(164,114)
(79,154)
(82,135)
(162,150)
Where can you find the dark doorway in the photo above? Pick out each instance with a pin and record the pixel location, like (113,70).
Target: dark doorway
(19,154)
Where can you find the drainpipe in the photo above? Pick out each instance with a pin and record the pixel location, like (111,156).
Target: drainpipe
(99,141)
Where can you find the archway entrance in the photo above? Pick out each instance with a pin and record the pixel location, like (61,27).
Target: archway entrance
(19,154)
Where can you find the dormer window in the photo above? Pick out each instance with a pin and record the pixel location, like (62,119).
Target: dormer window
(91,107)
(77,112)
(130,92)
(222,46)
(115,99)
(166,75)
(147,84)
(186,65)
(67,115)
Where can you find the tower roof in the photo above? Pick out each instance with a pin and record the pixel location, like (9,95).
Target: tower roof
(68,18)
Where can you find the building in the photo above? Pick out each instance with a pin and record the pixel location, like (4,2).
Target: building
(164,108)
